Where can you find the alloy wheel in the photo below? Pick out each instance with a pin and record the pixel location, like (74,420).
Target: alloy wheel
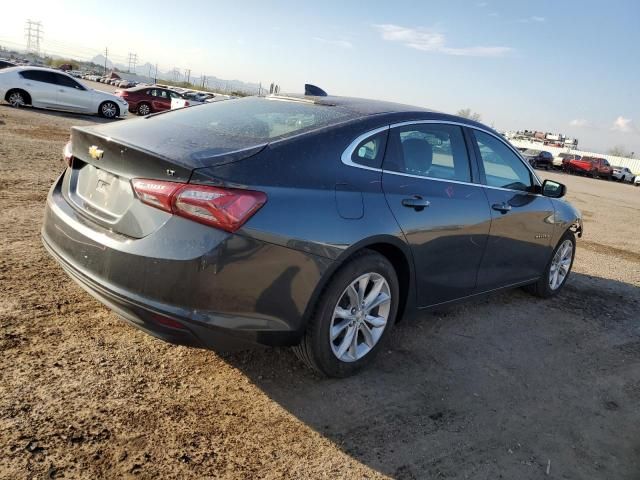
(109,109)
(561,264)
(16,99)
(144,109)
(360,317)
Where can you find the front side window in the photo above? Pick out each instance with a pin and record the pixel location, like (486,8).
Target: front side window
(502,167)
(429,150)
(66,81)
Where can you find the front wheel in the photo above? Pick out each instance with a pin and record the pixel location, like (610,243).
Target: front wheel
(109,110)
(353,317)
(144,109)
(558,268)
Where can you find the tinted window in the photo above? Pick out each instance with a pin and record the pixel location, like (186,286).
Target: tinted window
(176,95)
(429,150)
(39,76)
(370,151)
(257,118)
(502,167)
(66,81)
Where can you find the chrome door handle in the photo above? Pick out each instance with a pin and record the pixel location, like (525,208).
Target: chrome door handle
(501,207)
(416,202)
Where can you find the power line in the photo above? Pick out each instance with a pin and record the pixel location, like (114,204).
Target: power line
(33,34)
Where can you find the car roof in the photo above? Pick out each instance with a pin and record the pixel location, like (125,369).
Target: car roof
(363,107)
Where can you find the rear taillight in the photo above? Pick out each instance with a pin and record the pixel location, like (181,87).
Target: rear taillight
(224,208)
(66,153)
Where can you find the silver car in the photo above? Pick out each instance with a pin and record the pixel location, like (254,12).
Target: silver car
(53,89)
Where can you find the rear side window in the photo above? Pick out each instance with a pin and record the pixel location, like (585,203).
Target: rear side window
(502,167)
(39,76)
(257,119)
(429,150)
(370,151)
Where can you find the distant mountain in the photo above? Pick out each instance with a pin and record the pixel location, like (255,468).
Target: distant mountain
(99,60)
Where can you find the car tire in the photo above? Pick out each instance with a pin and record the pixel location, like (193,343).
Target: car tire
(109,110)
(17,98)
(358,333)
(143,109)
(549,284)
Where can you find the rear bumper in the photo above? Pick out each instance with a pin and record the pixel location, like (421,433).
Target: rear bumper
(187,283)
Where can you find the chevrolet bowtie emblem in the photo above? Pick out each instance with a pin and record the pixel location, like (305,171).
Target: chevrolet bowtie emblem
(95,152)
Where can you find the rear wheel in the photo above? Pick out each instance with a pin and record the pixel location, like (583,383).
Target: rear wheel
(558,268)
(18,98)
(144,109)
(353,317)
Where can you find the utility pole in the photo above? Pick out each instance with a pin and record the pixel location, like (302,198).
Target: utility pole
(155,77)
(133,58)
(33,34)
(106,54)
(187,74)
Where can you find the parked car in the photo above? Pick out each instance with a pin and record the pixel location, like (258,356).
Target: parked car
(593,166)
(53,89)
(538,158)
(190,99)
(560,160)
(307,221)
(146,100)
(6,64)
(636,181)
(622,174)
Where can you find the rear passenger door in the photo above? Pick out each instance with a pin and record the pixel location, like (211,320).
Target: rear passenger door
(428,182)
(42,86)
(522,223)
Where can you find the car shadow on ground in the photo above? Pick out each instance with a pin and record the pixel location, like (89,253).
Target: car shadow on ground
(80,116)
(499,387)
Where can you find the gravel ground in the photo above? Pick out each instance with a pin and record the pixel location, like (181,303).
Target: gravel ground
(506,387)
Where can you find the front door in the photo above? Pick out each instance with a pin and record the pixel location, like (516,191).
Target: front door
(445,217)
(73,96)
(522,223)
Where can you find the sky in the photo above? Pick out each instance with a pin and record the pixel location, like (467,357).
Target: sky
(569,66)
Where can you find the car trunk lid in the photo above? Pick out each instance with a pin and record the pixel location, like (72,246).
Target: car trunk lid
(106,160)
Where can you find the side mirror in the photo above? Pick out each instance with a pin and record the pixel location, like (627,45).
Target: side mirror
(553,189)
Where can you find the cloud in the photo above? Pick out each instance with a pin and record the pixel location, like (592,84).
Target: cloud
(579,122)
(622,124)
(430,41)
(334,43)
(532,19)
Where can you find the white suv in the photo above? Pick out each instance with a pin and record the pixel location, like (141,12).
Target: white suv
(53,89)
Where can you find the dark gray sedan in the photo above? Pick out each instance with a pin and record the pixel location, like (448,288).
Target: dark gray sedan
(309,221)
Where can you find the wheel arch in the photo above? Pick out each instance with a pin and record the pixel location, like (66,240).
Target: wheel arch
(28,99)
(394,250)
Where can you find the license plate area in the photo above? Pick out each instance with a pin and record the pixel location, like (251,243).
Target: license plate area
(100,193)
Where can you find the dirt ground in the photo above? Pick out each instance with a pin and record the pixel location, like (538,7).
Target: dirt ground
(507,387)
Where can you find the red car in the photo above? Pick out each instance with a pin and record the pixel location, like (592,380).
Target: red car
(146,100)
(596,167)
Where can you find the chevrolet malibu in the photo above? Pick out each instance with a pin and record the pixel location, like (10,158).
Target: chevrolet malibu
(309,221)
(56,90)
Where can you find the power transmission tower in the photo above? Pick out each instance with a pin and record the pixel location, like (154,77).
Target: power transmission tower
(33,33)
(106,54)
(187,74)
(133,58)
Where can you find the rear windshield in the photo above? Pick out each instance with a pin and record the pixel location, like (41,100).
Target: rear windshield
(258,119)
